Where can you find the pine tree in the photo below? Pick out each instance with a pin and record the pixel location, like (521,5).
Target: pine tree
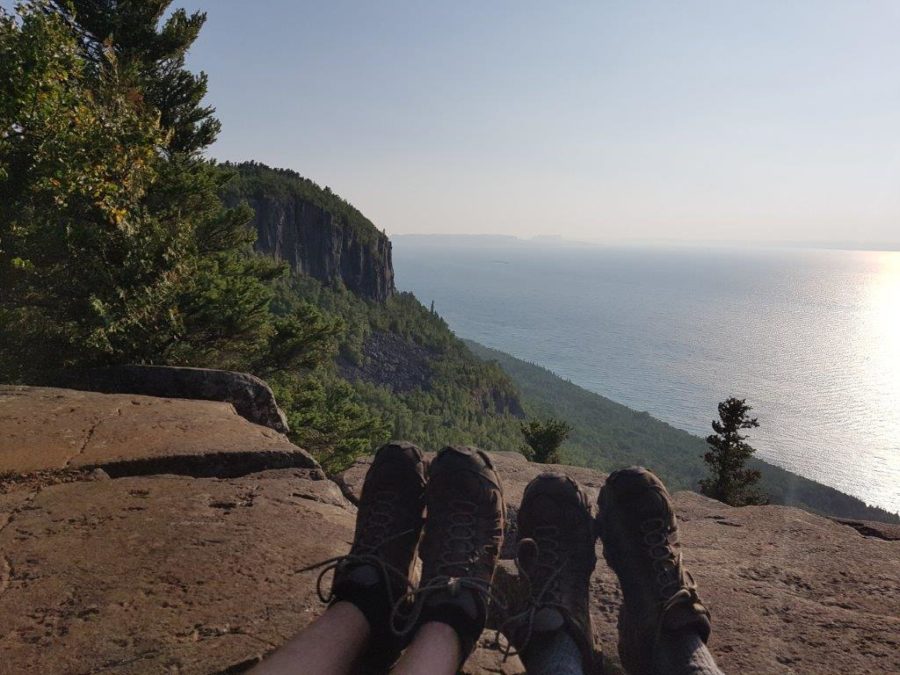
(544,438)
(152,53)
(111,251)
(730,481)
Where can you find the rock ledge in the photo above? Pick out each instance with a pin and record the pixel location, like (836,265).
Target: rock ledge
(184,574)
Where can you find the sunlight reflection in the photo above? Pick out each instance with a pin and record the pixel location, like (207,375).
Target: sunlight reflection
(884,311)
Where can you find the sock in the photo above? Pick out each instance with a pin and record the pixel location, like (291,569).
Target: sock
(552,653)
(684,653)
(365,589)
(459,618)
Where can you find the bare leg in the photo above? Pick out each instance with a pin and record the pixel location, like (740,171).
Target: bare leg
(330,645)
(434,651)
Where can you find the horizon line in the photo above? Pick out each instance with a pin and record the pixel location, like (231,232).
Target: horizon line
(886,247)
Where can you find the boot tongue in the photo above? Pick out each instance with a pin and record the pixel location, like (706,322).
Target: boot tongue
(462,598)
(684,616)
(364,575)
(466,600)
(548,619)
(527,554)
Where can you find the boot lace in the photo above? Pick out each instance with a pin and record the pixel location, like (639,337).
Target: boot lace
(548,567)
(373,535)
(459,550)
(672,584)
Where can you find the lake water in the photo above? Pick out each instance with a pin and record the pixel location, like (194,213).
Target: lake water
(811,338)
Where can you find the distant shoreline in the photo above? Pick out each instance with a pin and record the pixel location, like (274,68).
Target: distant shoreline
(674,453)
(805,335)
(563,242)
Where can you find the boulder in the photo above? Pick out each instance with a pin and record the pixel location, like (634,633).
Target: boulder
(251,397)
(57,429)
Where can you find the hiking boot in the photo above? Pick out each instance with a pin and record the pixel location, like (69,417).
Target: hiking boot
(462,540)
(637,525)
(375,575)
(556,559)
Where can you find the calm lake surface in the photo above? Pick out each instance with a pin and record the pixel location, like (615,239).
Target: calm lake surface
(810,337)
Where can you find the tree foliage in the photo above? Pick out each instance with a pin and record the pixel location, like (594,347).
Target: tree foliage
(544,438)
(114,244)
(456,404)
(83,265)
(729,480)
(328,418)
(152,52)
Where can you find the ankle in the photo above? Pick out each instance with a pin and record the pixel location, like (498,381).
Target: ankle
(465,612)
(684,652)
(554,652)
(372,602)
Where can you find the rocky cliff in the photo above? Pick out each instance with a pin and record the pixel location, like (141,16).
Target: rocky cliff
(314,230)
(153,535)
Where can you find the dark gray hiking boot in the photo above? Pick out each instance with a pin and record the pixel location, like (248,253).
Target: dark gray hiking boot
(637,525)
(463,535)
(375,575)
(556,558)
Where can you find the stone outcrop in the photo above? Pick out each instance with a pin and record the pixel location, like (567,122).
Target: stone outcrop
(390,361)
(165,574)
(203,572)
(44,429)
(312,229)
(314,242)
(251,397)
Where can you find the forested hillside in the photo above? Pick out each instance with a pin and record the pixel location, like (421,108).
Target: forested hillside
(398,372)
(394,368)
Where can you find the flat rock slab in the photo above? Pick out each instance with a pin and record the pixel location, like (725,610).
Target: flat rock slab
(790,592)
(47,429)
(177,574)
(165,574)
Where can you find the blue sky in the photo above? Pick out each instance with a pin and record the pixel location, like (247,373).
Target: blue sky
(763,120)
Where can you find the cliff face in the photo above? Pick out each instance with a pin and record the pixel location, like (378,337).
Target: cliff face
(314,242)
(314,230)
(404,367)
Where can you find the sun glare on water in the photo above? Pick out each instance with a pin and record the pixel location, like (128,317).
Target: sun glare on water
(882,356)
(884,305)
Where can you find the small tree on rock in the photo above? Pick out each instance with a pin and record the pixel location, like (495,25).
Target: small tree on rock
(729,480)
(544,437)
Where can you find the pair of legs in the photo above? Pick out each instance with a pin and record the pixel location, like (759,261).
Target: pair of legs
(379,618)
(336,641)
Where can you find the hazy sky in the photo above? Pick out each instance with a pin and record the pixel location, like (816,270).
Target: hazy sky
(756,120)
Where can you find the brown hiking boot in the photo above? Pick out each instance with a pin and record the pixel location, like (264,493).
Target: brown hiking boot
(375,575)
(556,558)
(462,540)
(639,531)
